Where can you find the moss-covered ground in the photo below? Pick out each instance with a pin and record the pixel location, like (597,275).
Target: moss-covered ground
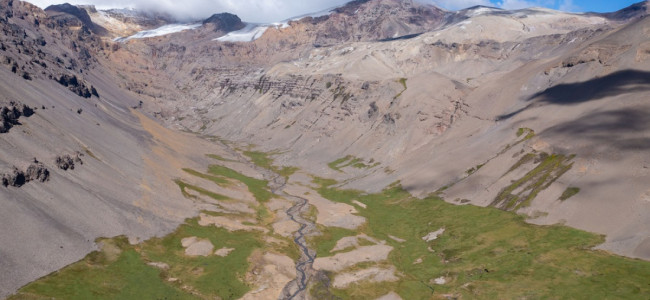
(486,253)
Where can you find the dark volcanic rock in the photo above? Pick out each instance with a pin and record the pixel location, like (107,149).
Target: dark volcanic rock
(225,22)
(9,115)
(77,86)
(67,162)
(17,178)
(69,9)
(633,11)
(37,172)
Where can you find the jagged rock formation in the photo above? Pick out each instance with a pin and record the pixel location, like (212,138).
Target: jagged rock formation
(67,162)
(100,199)
(17,178)
(67,15)
(224,22)
(9,115)
(77,86)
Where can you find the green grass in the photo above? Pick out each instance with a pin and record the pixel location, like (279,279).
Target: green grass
(259,158)
(527,131)
(256,186)
(522,191)
(351,161)
(403,82)
(218,180)
(184,186)
(218,157)
(129,277)
(569,192)
(522,161)
(263,160)
(487,253)
(324,243)
(474,169)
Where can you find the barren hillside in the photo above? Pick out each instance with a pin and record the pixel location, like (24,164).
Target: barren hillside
(536,112)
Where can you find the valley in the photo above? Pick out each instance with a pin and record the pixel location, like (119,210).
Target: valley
(382,149)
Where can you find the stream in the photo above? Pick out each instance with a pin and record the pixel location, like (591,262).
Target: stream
(297,288)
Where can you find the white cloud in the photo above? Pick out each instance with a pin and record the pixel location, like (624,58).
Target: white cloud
(567,5)
(248,10)
(459,4)
(516,4)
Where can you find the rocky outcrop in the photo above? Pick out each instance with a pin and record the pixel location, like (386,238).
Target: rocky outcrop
(67,162)
(9,115)
(77,86)
(224,22)
(635,11)
(70,15)
(17,178)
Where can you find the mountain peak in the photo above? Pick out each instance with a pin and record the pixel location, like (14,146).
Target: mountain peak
(225,22)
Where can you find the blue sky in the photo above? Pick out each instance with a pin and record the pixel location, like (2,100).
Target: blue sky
(565,5)
(276,10)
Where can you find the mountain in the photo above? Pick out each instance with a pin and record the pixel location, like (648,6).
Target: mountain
(535,112)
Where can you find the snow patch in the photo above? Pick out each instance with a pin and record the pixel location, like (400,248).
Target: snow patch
(481,11)
(160,31)
(247,34)
(254,31)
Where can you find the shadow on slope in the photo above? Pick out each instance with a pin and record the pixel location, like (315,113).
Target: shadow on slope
(623,129)
(618,83)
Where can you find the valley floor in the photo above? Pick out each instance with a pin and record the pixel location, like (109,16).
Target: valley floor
(366,246)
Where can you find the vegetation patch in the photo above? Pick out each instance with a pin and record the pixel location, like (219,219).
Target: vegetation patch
(263,160)
(324,243)
(402,81)
(474,169)
(216,179)
(159,268)
(522,191)
(569,192)
(184,186)
(129,276)
(485,253)
(529,133)
(351,161)
(256,186)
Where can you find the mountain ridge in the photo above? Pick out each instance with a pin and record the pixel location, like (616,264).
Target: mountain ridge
(462,107)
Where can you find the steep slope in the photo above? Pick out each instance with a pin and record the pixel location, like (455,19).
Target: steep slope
(108,168)
(126,22)
(535,111)
(460,91)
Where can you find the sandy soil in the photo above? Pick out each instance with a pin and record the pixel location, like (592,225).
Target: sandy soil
(223,252)
(390,296)
(197,247)
(282,225)
(352,241)
(270,273)
(329,213)
(341,261)
(373,274)
(433,235)
(228,223)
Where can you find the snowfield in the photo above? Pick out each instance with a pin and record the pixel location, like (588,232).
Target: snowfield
(160,31)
